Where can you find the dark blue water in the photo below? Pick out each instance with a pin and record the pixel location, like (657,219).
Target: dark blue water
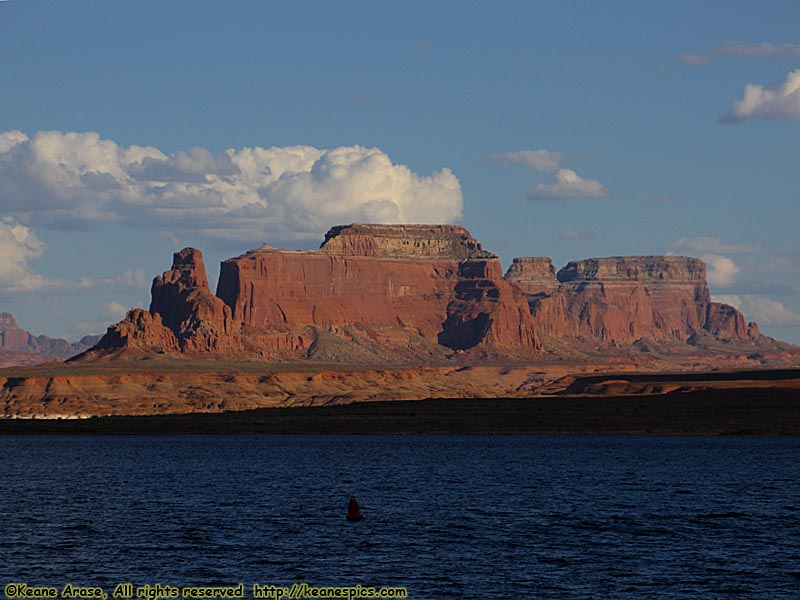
(446,517)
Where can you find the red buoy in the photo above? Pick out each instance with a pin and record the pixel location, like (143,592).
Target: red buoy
(353,510)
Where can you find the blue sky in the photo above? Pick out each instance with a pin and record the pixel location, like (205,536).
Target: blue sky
(560,129)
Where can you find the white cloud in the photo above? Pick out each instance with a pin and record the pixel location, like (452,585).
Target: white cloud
(114,311)
(72,179)
(707,244)
(538,160)
(722,270)
(743,50)
(18,246)
(777,101)
(568,186)
(735,300)
(763,310)
(759,50)
(130,278)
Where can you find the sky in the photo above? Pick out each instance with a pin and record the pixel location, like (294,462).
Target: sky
(129,130)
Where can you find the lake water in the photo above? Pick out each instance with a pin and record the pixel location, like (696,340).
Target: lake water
(446,516)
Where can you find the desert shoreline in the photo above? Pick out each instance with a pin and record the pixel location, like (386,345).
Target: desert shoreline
(743,411)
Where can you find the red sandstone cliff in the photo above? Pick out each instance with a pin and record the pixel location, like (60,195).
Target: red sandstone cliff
(390,286)
(391,293)
(184,315)
(623,300)
(370,293)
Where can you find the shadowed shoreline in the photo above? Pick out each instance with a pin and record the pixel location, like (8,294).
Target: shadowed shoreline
(744,411)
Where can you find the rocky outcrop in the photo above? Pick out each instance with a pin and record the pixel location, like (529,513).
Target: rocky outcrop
(200,321)
(619,301)
(397,286)
(21,347)
(370,293)
(140,331)
(535,275)
(184,315)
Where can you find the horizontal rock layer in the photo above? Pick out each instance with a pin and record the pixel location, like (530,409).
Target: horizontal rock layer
(624,299)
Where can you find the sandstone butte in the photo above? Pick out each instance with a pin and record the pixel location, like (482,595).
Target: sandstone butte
(395,312)
(391,294)
(371,294)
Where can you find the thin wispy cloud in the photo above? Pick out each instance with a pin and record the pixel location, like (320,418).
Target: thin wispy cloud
(368,96)
(708,244)
(578,236)
(742,50)
(536,160)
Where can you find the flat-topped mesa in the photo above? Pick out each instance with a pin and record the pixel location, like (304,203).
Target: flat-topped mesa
(622,299)
(435,242)
(659,269)
(534,274)
(404,284)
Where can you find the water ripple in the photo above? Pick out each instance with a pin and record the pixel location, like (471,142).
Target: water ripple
(448,517)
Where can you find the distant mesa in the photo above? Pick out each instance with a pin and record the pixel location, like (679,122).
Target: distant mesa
(389,294)
(621,300)
(20,347)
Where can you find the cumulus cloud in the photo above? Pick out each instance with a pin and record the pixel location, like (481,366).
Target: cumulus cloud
(59,179)
(18,246)
(722,271)
(537,160)
(780,100)
(707,244)
(568,185)
(763,310)
(742,50)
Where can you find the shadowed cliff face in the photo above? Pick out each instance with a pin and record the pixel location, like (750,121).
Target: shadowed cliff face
(625,299)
